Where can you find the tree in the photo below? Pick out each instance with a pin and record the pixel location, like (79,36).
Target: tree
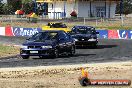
(10,7)
(126,7)
(16,5)
(7,9)
(26,1)
(1,8)
(27,6)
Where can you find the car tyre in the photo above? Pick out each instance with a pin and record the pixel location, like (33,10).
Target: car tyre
(72,52)
(95,46)
(84,81)
(25,57)
(55,53)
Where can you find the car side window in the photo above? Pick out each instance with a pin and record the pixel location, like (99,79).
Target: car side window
(73,30)
(63,36)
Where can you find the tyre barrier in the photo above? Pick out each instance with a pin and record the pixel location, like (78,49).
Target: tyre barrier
(84,80)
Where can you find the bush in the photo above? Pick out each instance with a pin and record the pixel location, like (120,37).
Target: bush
(1,8)
(7,9)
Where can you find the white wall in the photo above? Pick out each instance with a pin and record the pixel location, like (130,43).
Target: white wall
(2,31)
(113,9)
(98,4)
(84,8)
(59,7)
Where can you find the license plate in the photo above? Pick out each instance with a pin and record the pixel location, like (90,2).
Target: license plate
(33,51)
(92,40)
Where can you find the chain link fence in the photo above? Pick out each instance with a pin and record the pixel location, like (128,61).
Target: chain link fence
(118,22)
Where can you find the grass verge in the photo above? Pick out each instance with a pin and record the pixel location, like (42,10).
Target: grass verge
(99,24)
(6,51)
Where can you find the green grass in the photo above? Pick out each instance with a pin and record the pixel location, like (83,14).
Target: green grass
(105,24)
(8,50)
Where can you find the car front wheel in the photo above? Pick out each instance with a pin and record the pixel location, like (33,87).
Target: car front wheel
(25,57)
(55,53)
(95,46)
(72,52)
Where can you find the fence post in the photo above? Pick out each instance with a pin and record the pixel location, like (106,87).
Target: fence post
(96,21)
(122,21)
(84,21)
(11,19)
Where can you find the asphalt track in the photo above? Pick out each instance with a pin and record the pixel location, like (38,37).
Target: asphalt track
(108,51)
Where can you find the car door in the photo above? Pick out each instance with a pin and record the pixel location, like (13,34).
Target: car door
(62,42)
(69,42)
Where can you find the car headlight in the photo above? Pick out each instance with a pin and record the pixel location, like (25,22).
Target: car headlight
(46,46)
(24,46)
(75,39)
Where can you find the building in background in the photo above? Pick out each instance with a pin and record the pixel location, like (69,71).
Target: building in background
(83,8)
(56,9)
(3,1)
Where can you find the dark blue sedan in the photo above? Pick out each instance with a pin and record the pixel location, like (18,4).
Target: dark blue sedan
(85,36)
(48,43)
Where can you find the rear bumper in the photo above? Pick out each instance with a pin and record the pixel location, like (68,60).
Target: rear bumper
(36,52)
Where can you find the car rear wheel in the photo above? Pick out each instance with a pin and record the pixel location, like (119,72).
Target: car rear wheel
(25,57)
(72,52)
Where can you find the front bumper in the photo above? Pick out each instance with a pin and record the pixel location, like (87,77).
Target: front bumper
(86,43)
(36,52)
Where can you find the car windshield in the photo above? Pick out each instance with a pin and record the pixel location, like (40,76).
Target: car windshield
(85,31)
(42,36)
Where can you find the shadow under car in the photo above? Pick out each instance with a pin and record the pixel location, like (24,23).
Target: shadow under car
(96,47)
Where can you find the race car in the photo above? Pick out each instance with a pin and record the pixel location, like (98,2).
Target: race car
(85,36)
(48,43)
(56,26)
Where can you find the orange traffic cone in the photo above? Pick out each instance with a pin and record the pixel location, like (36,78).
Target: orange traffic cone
(84,80)
(84,73)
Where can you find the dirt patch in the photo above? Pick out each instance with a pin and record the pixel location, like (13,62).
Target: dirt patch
(63,76)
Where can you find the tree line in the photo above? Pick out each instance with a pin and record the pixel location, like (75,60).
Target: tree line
(126,7)
(28,6)
(11,7)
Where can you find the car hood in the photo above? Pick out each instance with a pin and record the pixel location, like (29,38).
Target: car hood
(46,42)
(82,36)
